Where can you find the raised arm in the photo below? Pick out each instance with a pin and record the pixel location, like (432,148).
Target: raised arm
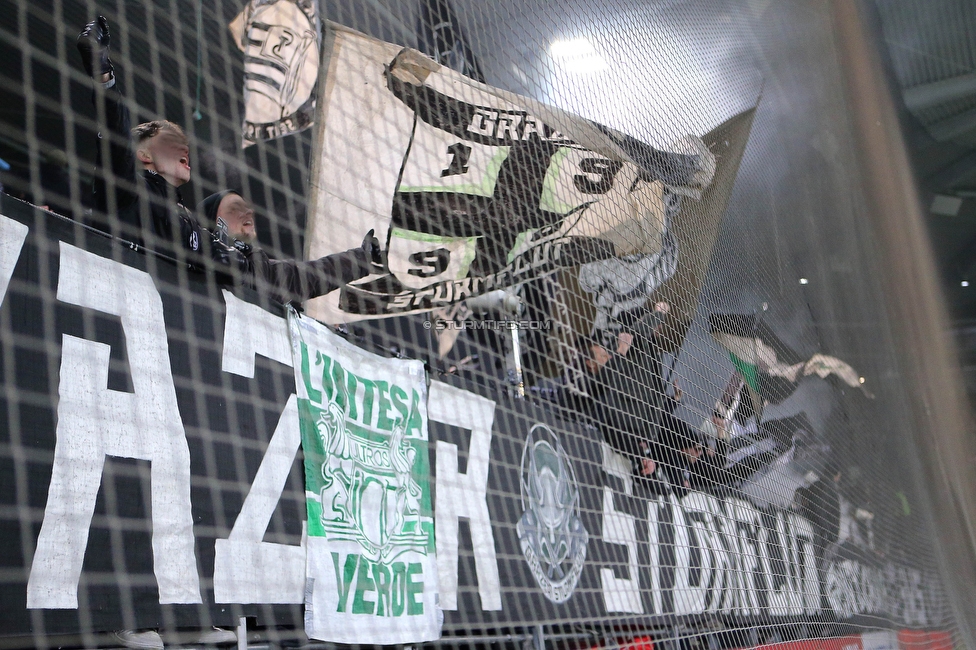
(293,281)
(93,45)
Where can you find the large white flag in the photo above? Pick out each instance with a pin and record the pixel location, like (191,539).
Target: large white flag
(472,188)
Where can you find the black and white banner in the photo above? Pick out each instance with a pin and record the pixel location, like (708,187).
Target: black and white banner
(280,41)
(439,35)
(149,458)
(474,188)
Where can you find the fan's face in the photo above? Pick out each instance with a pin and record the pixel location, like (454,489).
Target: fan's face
(239,217)
(168,155)
(692,453)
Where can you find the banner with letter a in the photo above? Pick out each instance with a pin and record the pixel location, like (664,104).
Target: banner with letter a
(371,568)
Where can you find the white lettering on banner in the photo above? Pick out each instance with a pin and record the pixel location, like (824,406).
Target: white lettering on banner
(654,547)
(727,559)
(724,556)
(689,598)
(727,556)
(620,594)
(897,591)
(788,598)
(708,524)
(744,521)
(94,422)
(464,495)
(249,331)
(806,564)
(246,568)
(616,465)
(12,236)
(704,514)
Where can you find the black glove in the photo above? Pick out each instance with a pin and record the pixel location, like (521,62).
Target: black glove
(235,256)
(93,44)
(374,254)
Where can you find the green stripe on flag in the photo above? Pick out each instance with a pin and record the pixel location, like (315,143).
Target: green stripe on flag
(747,370)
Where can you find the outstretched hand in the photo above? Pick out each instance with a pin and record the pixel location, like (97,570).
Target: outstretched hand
(648,467)
(374,254)
(93,45)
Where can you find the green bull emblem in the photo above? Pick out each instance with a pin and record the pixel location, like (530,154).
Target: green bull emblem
(368,493)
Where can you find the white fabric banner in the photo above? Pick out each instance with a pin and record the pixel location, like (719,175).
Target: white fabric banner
(280,41)
(371,564)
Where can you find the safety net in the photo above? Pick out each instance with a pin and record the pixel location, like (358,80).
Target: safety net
(515,323)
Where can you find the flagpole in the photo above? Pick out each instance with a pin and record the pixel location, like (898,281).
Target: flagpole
(197,116)
(757,408)
(517,353)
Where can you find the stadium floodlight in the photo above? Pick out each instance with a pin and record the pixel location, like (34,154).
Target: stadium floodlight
(577,55)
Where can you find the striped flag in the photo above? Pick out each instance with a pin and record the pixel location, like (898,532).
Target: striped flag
(770,367)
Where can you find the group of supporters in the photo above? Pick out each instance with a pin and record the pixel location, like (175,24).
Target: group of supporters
(139,172)
(625,391)
(627,396)
(136,198)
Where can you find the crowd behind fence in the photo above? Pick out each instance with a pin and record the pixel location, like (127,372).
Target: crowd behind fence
(396,322)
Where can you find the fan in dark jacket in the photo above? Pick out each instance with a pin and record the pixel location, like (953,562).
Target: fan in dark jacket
(686,461)
(629,401)
(139,189)
(285,280)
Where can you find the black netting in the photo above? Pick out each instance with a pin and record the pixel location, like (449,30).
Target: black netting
(608,355)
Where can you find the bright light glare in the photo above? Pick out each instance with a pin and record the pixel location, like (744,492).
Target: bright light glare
(965,283)
(804,281)
(577,55)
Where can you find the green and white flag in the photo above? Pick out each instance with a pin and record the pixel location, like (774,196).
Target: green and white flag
(771,368)
(371,568)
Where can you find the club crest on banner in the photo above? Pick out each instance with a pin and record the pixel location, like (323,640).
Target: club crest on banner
(358,474)
(550,532)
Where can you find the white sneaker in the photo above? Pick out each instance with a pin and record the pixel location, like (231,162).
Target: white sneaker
(217,636)
(148,640)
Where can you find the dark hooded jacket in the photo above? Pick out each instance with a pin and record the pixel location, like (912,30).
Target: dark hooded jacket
(706,473)
(145,209)
(629,399)
(150,213)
